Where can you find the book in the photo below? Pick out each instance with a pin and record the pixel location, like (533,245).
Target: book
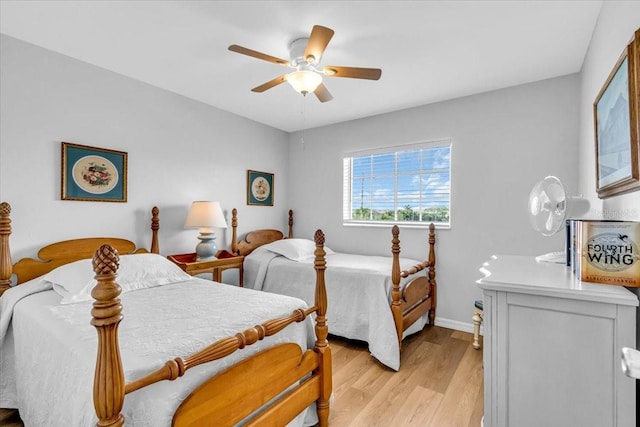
(568,241)
(607,252)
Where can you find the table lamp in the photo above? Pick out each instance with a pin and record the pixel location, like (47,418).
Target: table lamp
(205,216)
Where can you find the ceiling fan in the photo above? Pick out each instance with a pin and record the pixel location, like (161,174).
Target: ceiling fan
(305,55)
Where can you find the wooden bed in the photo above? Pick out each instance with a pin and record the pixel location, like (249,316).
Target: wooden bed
(278,382)
(409,303)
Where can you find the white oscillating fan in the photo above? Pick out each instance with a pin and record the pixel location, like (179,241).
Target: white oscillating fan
(549,207)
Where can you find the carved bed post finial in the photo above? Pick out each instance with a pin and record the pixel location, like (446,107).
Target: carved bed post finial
(432,273)
(234,231)
(396,308)
(155,226)
(322,345)
(108,382)
(5,252)
(320,265)
(291,223)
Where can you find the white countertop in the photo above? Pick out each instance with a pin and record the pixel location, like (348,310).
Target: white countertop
(524,274)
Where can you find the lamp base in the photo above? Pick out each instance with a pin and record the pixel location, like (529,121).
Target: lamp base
(206,249)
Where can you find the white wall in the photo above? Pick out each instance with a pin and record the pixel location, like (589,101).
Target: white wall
(179,150)
(503,143)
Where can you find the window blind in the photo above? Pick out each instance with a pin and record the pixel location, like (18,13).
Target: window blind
(407,184)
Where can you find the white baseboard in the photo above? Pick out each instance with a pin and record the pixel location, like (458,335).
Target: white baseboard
(457,325)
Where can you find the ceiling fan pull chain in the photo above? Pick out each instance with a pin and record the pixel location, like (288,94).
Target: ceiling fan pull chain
(302,111)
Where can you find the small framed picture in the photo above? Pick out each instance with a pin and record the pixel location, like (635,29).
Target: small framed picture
(259,188)
(93,174)
(617,125)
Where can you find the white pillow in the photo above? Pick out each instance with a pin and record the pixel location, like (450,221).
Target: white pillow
(74,281)
(295,249)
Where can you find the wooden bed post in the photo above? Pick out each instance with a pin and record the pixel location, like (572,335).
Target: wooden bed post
(5,252)
(396,306)
(108,382)
(290,223)
(234,231)
(155,226)
(432,274)
(322,346)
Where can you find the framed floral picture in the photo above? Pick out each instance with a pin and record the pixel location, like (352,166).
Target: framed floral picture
(617,126)
(259,188)
(93,174)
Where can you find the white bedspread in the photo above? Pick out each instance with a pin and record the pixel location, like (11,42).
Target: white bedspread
(49,350)
(358,293)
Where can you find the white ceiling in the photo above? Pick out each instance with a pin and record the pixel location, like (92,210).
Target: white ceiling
(428,51)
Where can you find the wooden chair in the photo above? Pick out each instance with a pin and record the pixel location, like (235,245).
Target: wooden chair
(477,320)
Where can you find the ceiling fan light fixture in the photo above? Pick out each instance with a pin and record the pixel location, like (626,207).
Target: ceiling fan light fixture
(304,81)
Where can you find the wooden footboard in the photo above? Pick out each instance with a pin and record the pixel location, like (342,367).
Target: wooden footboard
(217,399)
(419,296)
(230,396)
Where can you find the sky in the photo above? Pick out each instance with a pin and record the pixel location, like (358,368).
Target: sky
(423,179)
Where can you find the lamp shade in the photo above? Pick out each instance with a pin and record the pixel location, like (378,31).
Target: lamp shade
(205,214)
(304,81)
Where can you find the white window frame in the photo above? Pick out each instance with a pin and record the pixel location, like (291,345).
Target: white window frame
(347,184)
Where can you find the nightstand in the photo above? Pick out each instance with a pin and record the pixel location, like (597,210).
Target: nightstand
(188,263)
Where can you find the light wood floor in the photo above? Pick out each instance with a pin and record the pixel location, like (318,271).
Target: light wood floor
(439,384)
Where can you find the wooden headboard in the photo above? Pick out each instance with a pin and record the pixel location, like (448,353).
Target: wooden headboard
(256,238)
(60,253)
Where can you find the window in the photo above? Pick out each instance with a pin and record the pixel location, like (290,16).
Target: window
(404,185)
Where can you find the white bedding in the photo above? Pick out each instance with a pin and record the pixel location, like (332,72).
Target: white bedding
(358,293)
(48,351)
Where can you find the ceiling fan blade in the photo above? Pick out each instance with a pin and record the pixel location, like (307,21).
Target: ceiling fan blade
(256,54)
(323,93)
(352,72)
(318,41)
(269,84)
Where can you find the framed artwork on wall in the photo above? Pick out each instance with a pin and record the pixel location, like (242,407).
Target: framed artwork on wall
(259,188)
(617,126)
(93,174)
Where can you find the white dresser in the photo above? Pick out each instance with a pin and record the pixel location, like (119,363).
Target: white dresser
(552,347)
